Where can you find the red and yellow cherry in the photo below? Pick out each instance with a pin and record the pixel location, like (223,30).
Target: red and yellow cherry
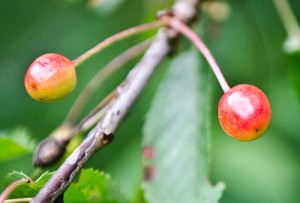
(50,77)
(244,112)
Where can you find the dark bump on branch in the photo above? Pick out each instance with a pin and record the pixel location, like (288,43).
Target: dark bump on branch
(48,152)
(106,138)
(52,148)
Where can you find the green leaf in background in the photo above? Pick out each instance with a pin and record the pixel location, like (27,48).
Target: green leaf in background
(26,190)
(294,70)
(176,136)
(15,143)
(94,186)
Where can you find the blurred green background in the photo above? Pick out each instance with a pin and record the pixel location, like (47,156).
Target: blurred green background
(248,47)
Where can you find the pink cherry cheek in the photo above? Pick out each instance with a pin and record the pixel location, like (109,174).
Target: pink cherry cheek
(43,74)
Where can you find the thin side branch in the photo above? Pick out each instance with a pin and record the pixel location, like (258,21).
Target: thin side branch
(101,76)
(11,187)
(22,200)
(181,27)
(121,35)
(287,16)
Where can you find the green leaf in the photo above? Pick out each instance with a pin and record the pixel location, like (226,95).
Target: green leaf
(94,186)
(15,143)
(26,190)
(176,136)
(294,70)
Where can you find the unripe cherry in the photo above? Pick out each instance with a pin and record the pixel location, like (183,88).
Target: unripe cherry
(50,77)
(244,112)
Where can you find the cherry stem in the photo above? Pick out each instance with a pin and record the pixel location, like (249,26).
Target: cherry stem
(190,34)
(114,65)
(28,199)
(112,39)
(11,187)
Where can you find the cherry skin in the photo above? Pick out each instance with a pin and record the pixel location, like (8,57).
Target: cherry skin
(50,77)
(244,112)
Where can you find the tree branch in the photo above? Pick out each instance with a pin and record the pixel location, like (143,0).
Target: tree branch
(128,91)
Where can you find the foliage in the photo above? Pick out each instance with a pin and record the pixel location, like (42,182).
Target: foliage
(26,190)
(15,143)
(94,186)
(177,136)
(247,46)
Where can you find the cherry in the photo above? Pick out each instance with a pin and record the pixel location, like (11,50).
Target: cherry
(50,77)
(244,112)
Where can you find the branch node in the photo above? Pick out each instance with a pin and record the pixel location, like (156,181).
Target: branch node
(106,138)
